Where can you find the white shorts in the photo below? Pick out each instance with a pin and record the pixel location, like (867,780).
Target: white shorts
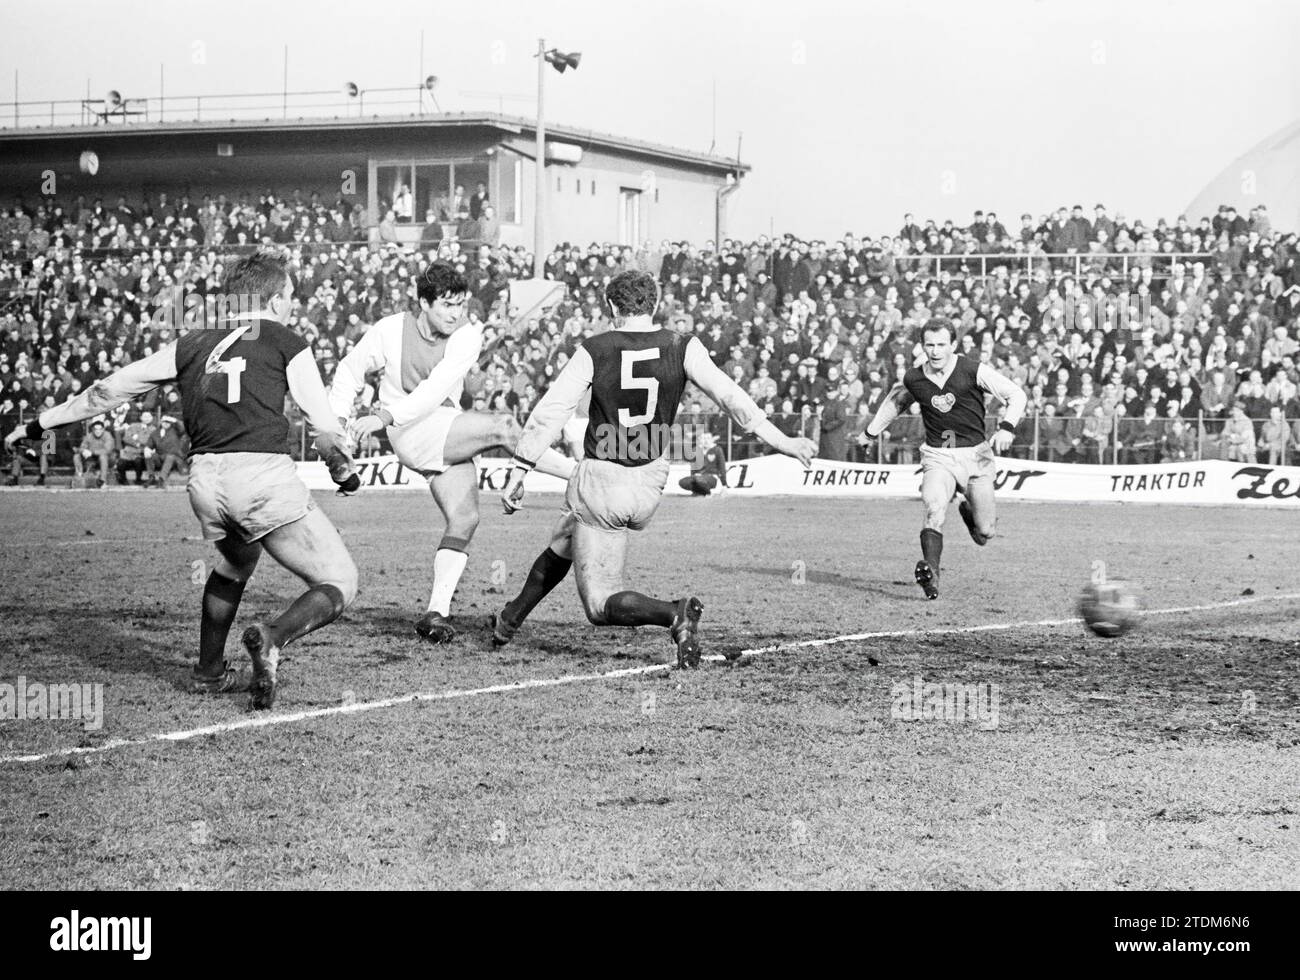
(962,463)
(419,445)
(247,495)
(603,494)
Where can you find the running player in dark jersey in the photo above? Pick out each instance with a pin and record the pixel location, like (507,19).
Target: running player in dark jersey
(636,374)
(956,455)
(243,486)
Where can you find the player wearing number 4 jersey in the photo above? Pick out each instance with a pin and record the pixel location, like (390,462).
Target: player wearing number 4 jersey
(956,455)
(423,358)
(636,374)
(243,487)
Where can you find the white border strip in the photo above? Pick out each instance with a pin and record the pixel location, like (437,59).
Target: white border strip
(266,721)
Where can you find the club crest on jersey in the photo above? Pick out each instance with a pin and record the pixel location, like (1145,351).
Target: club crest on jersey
(944,403)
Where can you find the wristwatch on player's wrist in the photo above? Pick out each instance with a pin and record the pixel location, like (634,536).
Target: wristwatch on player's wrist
(1007,427)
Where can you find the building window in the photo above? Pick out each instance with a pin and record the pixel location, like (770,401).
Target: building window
(559,184)
(577,185)
(508,196)
(656,195)
(593,187)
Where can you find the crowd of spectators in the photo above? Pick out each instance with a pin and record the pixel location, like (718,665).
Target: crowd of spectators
(1135,342)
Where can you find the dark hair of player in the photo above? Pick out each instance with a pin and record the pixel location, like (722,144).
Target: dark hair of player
(935,324)
(259,275)
(632,294)
(439,280)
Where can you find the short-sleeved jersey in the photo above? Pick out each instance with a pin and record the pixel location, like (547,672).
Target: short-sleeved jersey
(954,413)
(637,381)
(233,384)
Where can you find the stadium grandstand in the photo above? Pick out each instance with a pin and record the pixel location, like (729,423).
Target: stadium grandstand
(1138,341)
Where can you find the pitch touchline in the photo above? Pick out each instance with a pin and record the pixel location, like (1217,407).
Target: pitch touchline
(359,707)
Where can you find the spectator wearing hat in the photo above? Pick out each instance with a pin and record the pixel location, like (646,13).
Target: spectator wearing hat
(173,448)
(97,447)
(137,448)
(1275,437)
(1239,436)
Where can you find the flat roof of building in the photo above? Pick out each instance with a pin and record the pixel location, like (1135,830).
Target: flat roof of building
(513,125)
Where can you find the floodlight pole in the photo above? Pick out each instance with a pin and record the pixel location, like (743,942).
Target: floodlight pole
(539,205)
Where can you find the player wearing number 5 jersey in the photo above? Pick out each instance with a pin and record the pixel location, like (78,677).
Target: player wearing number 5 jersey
(636,374)
(956,455)
(243,486)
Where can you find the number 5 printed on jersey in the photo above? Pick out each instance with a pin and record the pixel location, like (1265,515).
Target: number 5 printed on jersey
(232,368)
(649,385)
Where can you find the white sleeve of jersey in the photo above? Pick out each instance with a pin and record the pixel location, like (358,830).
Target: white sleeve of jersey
(308,391)
(350,375)
(1005,390)
(461,354)
(557,405)
(120,386)
(730,396)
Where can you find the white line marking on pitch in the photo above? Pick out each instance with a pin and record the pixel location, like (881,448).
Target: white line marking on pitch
(266,721)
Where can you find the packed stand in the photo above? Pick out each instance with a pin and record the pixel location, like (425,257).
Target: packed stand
(1136,343)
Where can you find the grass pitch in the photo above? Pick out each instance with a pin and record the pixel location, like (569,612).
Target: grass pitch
(1166,759)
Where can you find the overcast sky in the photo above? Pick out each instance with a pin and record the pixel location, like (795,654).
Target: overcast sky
(852,112)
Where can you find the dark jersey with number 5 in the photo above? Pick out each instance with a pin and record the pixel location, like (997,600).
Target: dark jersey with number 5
(233,384)
(637,381)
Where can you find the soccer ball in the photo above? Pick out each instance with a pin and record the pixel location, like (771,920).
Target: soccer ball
(1109,608)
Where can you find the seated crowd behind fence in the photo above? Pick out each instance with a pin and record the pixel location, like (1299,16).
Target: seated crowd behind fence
(1136,343)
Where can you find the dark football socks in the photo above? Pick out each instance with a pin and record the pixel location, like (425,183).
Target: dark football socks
(932,548)
(318,606)
(635,609)
(221,597)
(547,572)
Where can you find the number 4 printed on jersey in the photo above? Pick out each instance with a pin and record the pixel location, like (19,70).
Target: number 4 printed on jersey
(232,368)
(630,383)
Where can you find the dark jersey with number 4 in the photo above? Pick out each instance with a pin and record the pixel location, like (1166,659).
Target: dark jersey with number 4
(637,380)
(233,384)
(954,413)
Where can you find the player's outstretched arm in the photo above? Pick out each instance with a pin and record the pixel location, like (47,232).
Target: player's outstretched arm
(1011,395)
(104,395)
(308,391)
(735,402)
(545,423)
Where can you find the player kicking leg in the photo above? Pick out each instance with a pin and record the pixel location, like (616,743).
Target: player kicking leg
(423,359)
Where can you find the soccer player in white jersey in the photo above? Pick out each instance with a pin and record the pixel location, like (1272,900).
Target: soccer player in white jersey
(636,374)
(957,455)
(423,359)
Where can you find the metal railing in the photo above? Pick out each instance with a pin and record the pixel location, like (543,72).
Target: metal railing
(1078,264)
(1113,441)
(246,106)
